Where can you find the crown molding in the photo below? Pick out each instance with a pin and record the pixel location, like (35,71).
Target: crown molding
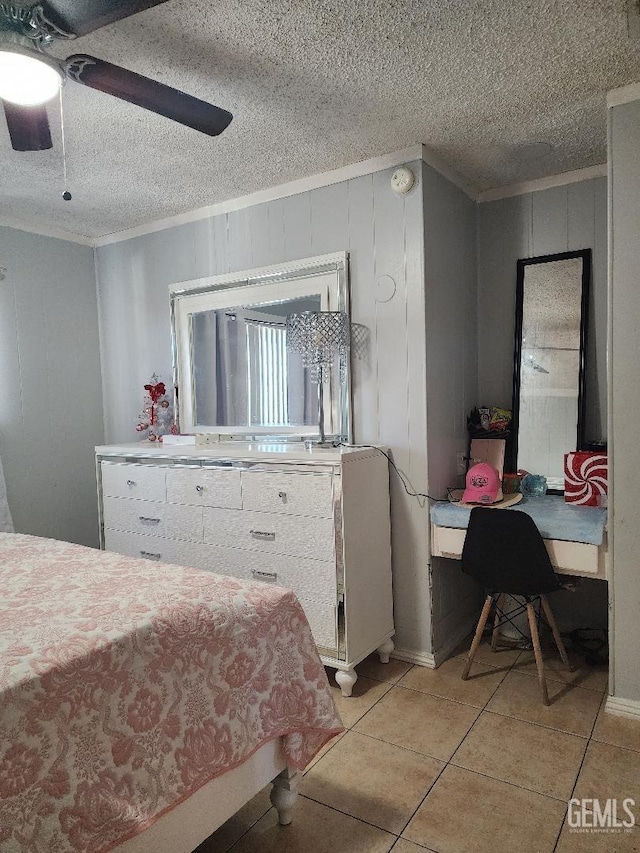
(576,176)
(44,231)
(448,172)
(324,179)
(623,95)
(312,182)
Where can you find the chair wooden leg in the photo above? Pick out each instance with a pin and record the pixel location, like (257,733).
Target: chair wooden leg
(482,621)
(556,634)
(496,622)
(533,627)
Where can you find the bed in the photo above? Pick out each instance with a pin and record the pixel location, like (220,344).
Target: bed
(141,704)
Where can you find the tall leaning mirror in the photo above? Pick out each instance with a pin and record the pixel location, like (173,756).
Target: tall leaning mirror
(549,362)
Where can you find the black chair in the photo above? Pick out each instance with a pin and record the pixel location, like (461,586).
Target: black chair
(504,551)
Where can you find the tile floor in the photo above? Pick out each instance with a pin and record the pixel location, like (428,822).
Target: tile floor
(429,762)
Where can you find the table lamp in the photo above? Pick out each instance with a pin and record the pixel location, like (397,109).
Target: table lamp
(321,338)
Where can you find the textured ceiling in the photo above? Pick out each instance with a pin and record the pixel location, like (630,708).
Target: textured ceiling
(318,84)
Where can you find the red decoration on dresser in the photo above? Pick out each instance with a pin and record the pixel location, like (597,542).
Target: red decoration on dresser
(585,478)
(156,416)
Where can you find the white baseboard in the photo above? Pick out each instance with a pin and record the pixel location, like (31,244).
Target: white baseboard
(432,661)
(419,658)
(623,707)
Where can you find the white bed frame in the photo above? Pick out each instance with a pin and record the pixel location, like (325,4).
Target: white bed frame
(186,826)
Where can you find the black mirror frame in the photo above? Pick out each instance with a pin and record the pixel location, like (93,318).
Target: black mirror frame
(522,264)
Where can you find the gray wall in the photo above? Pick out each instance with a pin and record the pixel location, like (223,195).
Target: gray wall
(560,219)
(383,234)
(624,523)
(51,414)
(452,379)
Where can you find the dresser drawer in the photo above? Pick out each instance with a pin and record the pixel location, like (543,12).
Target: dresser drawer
(310,579)
(173,521)
(149,547)
(128,480)
(573,557)
(297,494)
(269,532)
(447,541)
(313,579)
(313,587)
(193,554)
(204,487)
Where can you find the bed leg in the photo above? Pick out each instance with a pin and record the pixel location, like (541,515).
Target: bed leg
(345,679)
(284,794)
(385,650)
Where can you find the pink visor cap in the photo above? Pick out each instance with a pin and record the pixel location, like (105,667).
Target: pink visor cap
(483,485)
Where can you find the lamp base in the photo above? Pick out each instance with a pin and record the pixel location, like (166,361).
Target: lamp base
(312,443)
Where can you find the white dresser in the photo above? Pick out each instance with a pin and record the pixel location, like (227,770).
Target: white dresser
(316,521)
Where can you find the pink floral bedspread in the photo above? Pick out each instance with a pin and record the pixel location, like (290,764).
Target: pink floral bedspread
(126,685)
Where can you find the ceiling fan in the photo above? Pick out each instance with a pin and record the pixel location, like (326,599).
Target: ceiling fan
(29,76)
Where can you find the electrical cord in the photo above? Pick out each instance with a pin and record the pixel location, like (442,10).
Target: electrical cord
(421,497)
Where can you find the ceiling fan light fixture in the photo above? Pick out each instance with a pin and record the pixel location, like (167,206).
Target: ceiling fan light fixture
(27,78)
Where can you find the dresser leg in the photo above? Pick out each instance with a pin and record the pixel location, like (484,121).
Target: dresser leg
(346,678)
(284,794)
(385,650)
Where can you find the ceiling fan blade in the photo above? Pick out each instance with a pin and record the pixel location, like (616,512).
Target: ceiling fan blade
(79,17)
(28,127)
(148,94)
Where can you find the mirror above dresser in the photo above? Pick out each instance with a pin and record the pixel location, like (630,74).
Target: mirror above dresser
(233,371)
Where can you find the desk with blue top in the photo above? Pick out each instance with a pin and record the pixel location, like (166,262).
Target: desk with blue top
(575,536)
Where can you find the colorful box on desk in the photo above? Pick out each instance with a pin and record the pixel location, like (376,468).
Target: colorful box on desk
(585,478)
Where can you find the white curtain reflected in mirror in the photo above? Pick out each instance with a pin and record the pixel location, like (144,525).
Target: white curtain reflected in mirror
(549,362)
(257,382)
(233,373)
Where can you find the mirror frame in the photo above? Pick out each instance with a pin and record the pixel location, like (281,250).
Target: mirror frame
(266,285)
(522,265)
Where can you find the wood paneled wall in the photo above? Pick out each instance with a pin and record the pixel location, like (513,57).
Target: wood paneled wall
(452,381)
(560,219)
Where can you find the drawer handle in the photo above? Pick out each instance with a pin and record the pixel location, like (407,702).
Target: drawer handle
(262,535)
(144,520)
(199,488)
(269,577)
(148,555)
(283,497)
(131,482)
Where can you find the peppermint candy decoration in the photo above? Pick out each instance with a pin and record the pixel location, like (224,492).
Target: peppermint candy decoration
(585,477)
